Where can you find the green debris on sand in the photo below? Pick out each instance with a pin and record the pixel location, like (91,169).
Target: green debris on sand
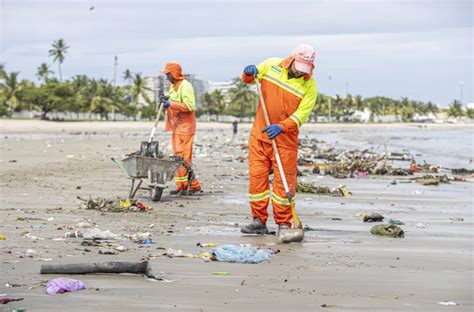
(221,273)
(311,188)
(113,205)
(430,179)
(387,230)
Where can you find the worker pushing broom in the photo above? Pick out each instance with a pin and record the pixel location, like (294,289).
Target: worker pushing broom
(287,95)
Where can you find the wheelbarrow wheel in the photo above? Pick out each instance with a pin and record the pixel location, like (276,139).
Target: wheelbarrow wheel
(156,193)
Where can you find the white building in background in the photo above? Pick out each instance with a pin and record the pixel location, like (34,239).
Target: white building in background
(223,87)
(200,87)
(361,116)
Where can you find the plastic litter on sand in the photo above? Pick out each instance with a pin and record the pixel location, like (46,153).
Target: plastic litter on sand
(234,253)
(62,285)
(448,303)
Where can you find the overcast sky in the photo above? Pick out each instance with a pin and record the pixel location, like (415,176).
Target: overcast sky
(421,49)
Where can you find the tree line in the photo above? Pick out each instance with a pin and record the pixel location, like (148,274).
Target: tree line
(82,94)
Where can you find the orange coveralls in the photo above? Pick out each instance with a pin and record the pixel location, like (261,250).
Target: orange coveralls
(289,103)
(181,122)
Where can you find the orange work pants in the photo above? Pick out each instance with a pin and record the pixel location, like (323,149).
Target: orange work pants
(182,145)
(261,160)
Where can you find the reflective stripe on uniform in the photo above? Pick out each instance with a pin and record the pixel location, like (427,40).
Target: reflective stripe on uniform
(283,85)
(260,196)
(280,200)
(296,119)
(181,179)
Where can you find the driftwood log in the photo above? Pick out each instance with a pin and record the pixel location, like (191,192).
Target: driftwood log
(142,268)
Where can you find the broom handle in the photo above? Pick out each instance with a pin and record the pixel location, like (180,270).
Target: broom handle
(275,149)
(157,119)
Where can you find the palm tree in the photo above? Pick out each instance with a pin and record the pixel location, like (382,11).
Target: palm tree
(102,101)
(207,105)
(455,109)
(358,103)
(218,102)
(433,108)
(3,73)
(138,89)
(10,91)
(242,98)
(320,107)
(337,107)
(81,96)
(43,72)
(375,109)
(127,75)
(58,53)
(470,113)
(347,108)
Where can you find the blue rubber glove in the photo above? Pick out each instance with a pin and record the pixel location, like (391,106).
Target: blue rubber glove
(165,102)
(251,70)
(273,130)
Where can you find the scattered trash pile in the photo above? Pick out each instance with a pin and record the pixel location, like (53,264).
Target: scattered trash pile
(390,230)
(242,253)
(228,150)
(108,241)
(324,190)
(358,164)
(348,163)
(340,163)
(114,205)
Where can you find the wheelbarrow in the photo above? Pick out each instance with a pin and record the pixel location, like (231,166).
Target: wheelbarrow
(151,173)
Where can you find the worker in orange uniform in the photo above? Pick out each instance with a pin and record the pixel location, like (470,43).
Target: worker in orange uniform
(290,93)
(181,122)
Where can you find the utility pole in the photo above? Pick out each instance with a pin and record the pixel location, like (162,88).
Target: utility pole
(114,84)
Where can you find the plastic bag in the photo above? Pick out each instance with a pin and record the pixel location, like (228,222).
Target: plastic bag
(98,234)
(233,253)
(63,284)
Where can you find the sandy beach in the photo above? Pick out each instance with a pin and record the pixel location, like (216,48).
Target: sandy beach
(45,166)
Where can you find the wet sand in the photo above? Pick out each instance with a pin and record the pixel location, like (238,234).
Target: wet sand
(340,264)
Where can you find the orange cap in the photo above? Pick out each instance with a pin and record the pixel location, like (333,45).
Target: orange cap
(174,69)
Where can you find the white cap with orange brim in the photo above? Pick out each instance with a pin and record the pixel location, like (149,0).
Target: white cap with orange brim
(304,58)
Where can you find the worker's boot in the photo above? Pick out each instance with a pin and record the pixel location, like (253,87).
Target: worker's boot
(191,191)
(255,227)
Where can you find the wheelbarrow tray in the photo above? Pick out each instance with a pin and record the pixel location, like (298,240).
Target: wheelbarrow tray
(153,172)
(137,166)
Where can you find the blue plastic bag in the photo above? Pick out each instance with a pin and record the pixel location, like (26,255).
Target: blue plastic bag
(234,253)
